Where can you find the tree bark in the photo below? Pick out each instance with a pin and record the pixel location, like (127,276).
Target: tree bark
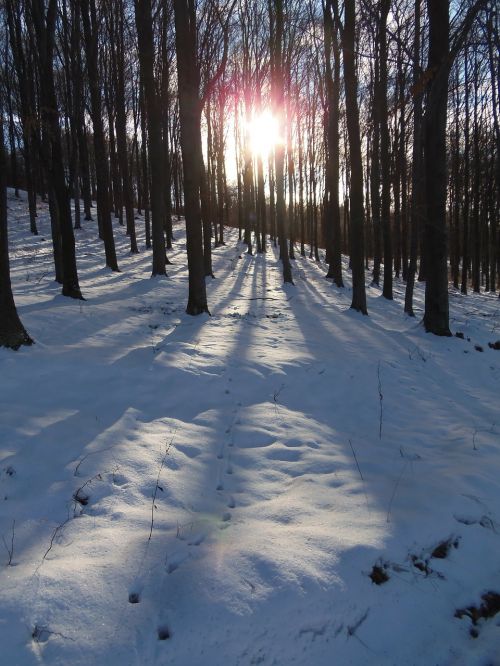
(436,317)
(144,23)
(279,150)
(90,29)
(332,208)
(416,208)
(384,152)
(44,27)
(190,116)
(12,332)
(356,185)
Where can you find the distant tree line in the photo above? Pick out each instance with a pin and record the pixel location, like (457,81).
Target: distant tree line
(137,110)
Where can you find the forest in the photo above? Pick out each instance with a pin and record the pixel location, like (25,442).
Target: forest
(371,130)
(249,331)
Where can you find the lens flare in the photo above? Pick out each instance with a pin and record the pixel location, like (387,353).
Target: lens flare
(264,134)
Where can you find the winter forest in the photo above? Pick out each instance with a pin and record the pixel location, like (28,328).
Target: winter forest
(250,332)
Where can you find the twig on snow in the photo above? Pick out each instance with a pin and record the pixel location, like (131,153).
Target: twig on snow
(394,492)
(276,395)
(479,430)
(51,543)
(356,460)
(91,453)
(360,474)
(82,499)
(351,630)
(381,400)
(157,484)
(42,634)
(10,549)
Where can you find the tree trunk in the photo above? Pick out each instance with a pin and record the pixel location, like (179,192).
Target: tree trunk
(416,208)
(436,317)
(190,117)
(332,208)
(384,152)
(90,29)
(144,167)
(121,130)
(375,175)
(144,23)
(279,150)
(26,105)
(356,186)
(12,332)
(44,27)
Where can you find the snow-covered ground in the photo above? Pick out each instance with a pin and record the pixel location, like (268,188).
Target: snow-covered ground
(287,449)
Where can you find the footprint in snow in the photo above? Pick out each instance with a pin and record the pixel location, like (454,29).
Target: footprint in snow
(197,540)
(175,561)
(226,520)
(163,632)
(188,450)
(285,455)
(483,521)
(119,480)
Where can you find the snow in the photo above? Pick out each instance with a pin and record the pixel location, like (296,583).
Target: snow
(293,445)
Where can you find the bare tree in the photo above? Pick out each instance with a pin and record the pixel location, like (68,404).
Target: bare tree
(356,207)
(190,119)
(144,23)
(91,37)
(441,56)
(277,83)
(44,25)
(12,332)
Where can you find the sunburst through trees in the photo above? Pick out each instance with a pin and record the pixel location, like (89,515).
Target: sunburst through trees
(343,127)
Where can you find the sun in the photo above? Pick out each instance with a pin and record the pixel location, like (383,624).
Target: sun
(264,134)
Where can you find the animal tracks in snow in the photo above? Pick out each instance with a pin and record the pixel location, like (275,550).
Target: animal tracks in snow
(285,454)
(484,521)
(174,561)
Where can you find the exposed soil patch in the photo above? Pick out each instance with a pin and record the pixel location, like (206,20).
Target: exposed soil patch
(421,565)
(441,551)
(379,574)
(489,607)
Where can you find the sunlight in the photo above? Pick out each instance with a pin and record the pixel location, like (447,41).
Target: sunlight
(264,134)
